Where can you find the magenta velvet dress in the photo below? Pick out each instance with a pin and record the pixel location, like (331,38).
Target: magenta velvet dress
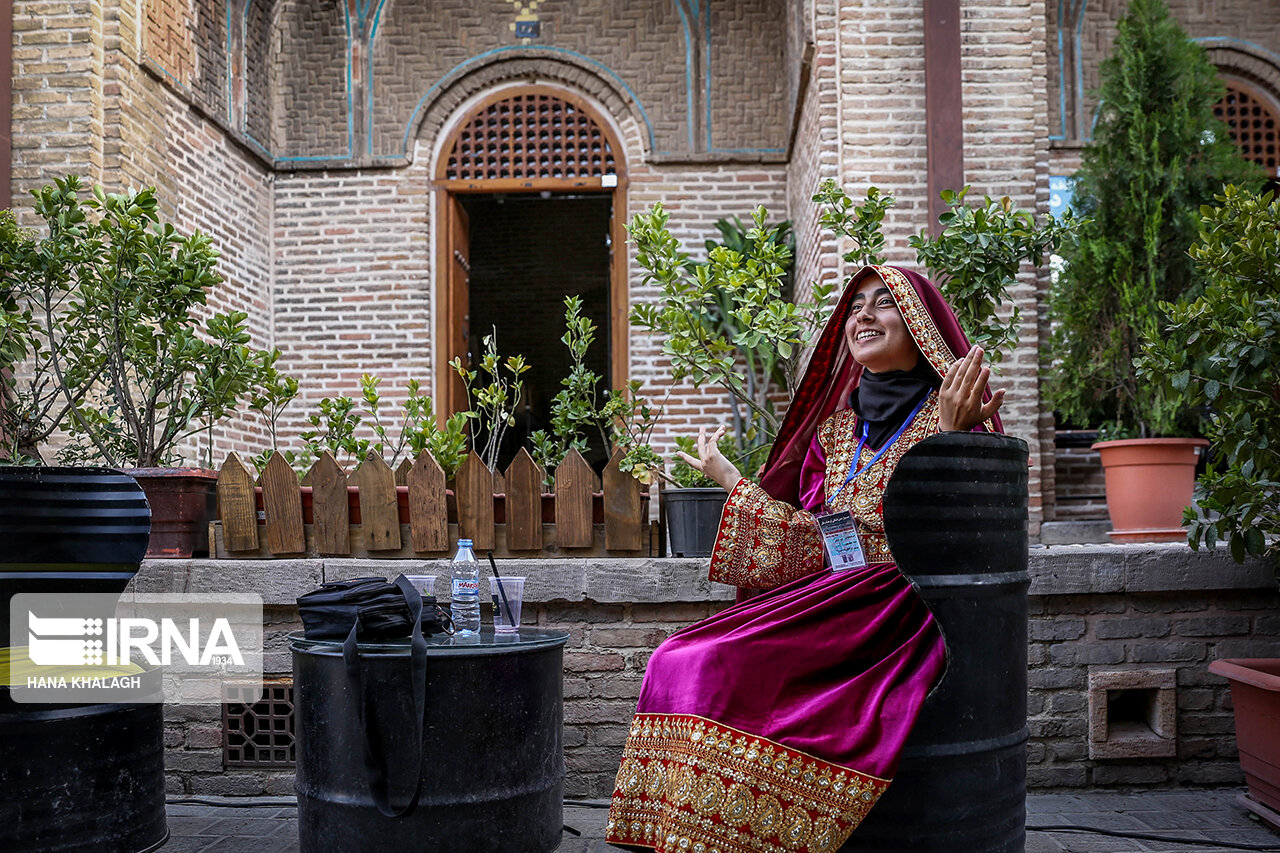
(775,725)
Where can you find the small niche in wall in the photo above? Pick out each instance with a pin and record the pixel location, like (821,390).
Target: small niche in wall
(1133,714)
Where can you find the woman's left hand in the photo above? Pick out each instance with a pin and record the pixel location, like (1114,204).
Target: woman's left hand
(960,405)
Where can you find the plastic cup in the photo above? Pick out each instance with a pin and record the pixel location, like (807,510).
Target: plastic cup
(424,584)
(513,588)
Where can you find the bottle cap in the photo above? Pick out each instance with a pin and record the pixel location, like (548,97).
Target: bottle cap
(462,542)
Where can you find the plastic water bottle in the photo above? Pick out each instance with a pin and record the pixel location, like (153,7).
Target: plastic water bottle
(464,609)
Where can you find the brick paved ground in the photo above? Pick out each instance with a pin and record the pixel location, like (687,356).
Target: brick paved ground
(1212,817)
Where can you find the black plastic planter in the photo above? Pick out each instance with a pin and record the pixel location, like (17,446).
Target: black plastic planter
(75,776)
(693,519)
(955,513)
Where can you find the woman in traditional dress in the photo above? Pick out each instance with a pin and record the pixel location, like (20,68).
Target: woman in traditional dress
(776,724)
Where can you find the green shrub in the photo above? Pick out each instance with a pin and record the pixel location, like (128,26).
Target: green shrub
(1222,350)
(1157,154)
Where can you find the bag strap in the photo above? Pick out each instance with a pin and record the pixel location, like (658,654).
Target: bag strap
(375,762)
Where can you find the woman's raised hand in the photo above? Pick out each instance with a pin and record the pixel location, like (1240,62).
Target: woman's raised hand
(711,461)
(960,405)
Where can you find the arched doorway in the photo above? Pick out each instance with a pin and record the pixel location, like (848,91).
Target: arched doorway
(530,194)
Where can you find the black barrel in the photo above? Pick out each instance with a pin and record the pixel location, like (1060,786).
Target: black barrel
(69,530)
(81,777)
(955,514)
(75,776)
(492,761)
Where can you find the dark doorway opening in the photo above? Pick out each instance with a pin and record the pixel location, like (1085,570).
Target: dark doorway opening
(528,251)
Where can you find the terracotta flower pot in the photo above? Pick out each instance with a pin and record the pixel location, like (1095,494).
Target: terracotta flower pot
(182,501)
(1255,693)
(1149,483)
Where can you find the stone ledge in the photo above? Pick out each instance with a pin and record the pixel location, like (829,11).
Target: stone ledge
(1115,569)
(640,580)
(1055,570)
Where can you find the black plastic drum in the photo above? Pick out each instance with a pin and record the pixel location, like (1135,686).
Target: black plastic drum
(75,777)
(955,513)
(81,777)
(492,761)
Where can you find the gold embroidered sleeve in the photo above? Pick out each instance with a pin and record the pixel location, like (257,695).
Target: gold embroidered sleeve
(764,543)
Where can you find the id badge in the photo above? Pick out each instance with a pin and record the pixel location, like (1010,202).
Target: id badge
(840,538)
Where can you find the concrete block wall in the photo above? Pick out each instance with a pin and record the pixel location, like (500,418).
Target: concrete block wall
(1139,610)
(1094,610)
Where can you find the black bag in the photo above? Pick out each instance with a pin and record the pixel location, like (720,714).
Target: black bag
(371,609)
(381,609)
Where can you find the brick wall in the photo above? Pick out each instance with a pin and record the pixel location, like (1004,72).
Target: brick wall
(815,155)
(1079,482)
(216,117)
(880,69)
(366,306)
(1174,625)
(1006,154)
(353,292)
(160,132)
(695,196)
(85,103)
(57,123)
(604,662)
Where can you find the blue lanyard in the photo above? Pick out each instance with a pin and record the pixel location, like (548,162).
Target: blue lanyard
(854,472)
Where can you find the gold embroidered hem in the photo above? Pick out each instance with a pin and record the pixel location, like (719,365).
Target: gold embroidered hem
(691,785)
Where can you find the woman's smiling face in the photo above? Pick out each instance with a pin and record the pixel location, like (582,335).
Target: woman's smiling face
(876,332)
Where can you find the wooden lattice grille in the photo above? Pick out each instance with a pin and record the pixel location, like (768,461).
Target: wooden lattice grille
(530,135)
(1254,127)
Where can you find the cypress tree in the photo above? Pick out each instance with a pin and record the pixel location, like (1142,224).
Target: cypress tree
(1157,154)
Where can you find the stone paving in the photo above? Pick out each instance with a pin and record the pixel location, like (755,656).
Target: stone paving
(1210,816)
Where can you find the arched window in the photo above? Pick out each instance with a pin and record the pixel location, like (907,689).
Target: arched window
(1254,120)
(531,134)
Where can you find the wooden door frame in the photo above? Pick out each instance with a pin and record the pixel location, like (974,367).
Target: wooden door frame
(448,394)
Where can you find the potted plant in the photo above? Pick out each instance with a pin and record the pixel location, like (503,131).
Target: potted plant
(65,530)
(582,415)
(1222,350)
(116,344)
(725,323)
(692,506)
(1157,154)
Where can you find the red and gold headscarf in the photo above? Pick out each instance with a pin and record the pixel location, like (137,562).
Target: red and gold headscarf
(832,373)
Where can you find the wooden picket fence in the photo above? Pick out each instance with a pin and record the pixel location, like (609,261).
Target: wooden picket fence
(409,512)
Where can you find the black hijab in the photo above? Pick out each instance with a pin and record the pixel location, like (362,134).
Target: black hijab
(884,400)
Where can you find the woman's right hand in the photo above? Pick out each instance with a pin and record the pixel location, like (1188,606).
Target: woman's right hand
(711,461)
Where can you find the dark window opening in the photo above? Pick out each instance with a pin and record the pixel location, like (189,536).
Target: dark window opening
(527,252)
